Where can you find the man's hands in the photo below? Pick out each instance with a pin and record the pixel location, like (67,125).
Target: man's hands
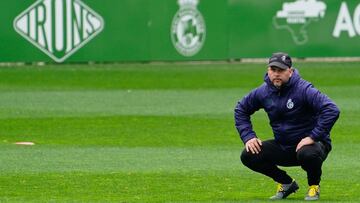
(253,145)
(303,142)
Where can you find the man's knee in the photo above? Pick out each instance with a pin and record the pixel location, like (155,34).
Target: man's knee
(247,158)
(309,154)
(244,157)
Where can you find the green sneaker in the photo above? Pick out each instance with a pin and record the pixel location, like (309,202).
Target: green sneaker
(284,190)
(313,193)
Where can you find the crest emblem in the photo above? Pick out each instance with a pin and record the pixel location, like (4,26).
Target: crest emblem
(290,104)
(188,28)
(58,27)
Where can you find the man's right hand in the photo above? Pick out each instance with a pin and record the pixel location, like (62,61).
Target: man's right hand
(253,145)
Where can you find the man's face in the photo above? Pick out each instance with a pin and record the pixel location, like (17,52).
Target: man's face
(279,76)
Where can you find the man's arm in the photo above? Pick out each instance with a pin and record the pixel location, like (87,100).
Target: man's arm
(326,110)
(243,110)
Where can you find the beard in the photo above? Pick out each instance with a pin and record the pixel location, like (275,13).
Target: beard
(277,82)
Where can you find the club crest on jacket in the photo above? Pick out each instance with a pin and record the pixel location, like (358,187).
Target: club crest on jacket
(290,104)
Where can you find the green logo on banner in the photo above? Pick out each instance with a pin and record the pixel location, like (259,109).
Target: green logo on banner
(188,28)
(296,16)
(59,27)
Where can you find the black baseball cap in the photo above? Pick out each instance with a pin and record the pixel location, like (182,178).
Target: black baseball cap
(280,60)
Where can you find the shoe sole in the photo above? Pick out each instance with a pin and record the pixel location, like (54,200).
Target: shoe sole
(311,198)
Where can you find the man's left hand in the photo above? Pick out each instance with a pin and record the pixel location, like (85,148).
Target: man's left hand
(303,142)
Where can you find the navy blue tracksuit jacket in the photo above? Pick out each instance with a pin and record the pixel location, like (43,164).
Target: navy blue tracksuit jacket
(297,110)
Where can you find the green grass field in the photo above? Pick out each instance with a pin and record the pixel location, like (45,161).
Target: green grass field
(155,133)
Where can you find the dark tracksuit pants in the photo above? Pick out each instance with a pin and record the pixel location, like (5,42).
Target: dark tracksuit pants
(309,157)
